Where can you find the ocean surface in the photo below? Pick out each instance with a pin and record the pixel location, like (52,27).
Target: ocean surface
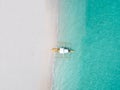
(92,29)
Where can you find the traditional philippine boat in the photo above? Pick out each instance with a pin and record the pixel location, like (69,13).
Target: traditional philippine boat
(62,50)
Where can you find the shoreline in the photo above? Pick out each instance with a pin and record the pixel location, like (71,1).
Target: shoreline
(50,39)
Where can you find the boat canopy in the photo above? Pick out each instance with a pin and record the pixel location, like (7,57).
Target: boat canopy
(63,51)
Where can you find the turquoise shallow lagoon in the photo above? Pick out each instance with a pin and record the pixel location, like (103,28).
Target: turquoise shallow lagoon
(92,27)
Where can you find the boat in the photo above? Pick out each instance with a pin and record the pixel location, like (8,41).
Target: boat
(62,50)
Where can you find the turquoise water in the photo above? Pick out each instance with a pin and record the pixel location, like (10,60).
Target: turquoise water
(92,27)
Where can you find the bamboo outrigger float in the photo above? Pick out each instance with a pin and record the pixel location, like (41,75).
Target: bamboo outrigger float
(62,50)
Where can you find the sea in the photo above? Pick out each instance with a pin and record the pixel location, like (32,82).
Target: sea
(92,29)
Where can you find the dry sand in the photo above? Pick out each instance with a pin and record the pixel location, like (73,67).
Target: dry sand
(28,30)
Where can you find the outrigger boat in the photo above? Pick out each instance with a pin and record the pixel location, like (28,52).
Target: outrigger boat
(62,50)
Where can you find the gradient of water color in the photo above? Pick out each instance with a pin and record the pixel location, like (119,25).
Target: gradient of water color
(92,27)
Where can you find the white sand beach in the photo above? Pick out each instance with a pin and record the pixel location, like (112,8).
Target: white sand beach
(28,30)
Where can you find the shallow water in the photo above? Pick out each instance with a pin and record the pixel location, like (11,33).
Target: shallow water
(92,29)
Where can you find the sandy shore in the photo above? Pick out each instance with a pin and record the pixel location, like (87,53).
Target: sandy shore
(49,41)
(28,31)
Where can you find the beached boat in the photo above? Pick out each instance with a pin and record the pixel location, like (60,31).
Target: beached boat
(62,50)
